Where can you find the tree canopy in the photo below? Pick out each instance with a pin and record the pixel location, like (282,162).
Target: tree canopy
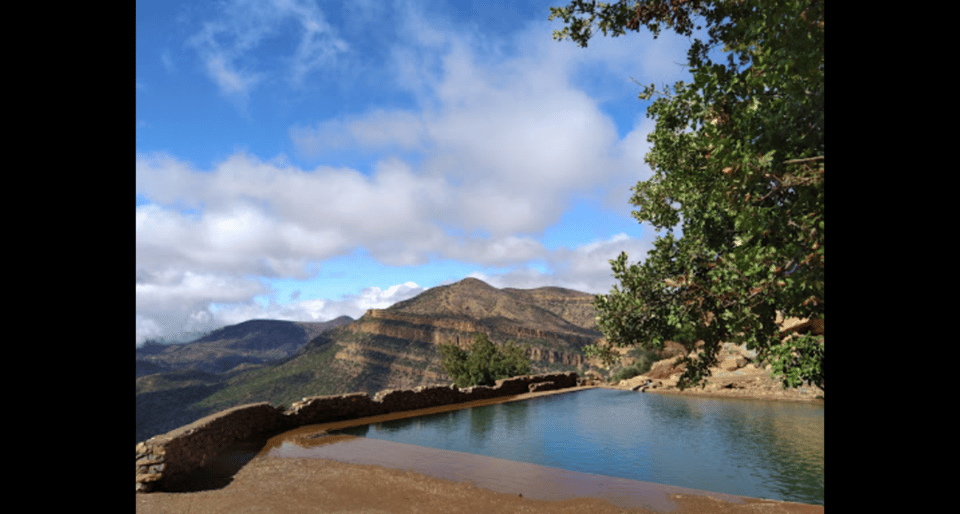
(484,363)
(738,165)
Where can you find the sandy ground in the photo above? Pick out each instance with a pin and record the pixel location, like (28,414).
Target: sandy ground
(281,485)
(252,480)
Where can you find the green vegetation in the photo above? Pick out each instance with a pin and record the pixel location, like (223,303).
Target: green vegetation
(738,163)
(644,360)
(484,363)
(629,372)
(281,384)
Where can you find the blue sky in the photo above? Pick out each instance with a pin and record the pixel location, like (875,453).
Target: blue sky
(304,160)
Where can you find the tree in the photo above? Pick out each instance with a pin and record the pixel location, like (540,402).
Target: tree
(738,164)
(484,363)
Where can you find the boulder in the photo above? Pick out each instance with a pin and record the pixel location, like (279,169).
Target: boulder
(732,362)
(665,368)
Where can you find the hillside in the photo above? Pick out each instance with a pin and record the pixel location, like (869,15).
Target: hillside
(174,379)
(251,342)
(396,347)
(390,348)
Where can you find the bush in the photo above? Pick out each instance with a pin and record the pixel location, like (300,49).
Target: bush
(645,360)
(484,363)
(628,372)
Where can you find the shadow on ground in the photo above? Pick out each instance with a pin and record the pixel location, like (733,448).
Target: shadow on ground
(219,472)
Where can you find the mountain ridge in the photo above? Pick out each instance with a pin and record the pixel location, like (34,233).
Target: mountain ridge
(256,341)
(395,347)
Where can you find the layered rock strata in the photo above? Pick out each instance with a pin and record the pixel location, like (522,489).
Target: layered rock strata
(161,459)
(436,330)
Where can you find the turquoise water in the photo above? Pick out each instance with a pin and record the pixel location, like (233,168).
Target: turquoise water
(759,449)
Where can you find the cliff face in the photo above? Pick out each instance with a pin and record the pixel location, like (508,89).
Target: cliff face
(553,323)
(573,306)
(567,347)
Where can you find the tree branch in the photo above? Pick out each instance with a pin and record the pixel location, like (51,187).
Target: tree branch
(800,161)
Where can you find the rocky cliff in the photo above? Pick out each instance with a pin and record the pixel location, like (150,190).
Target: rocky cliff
(553,323)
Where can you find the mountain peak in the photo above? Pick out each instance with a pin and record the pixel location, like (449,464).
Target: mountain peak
(472,298)
(473,282)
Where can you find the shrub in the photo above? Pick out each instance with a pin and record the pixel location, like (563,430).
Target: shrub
(484,363)
(627,372)
(645,360)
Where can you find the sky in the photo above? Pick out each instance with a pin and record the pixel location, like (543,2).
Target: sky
(303,160)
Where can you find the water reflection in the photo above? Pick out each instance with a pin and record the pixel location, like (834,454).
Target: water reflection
(481,422)
(749,448)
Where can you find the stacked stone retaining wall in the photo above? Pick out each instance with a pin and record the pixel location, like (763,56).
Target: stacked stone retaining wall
(161,459)
(189,447)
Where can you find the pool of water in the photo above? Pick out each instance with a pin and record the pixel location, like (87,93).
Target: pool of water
(758,449)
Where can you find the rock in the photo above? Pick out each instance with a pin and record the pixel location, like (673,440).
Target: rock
(733,362)
(665,368)
(542,386)
(149,459)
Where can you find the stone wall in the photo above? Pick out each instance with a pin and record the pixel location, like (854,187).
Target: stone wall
(162,458)
(189,447)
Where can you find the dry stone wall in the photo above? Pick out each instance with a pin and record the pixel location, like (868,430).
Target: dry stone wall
(189,447)
(161,459)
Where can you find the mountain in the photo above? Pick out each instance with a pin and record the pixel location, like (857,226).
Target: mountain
(173,379)
(554,323)
(392,348)
(396,347)
(251,342)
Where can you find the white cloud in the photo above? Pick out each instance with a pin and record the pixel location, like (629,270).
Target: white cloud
(376,298)
(507,143)
(173,286)
(503,142)
(225,44)
(170,300)
(389,128)
(497,252)
(157,320)
(147,329)
(585,268)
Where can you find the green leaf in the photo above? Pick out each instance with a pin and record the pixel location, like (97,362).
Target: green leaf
(717,155)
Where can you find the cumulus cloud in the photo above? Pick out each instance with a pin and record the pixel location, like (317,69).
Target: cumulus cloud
(501,144)
(262,219)
(171,300)
(180,311)
(379,130)
(585,268)
(507,142)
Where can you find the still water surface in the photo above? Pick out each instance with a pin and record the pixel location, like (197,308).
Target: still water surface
(759,449)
